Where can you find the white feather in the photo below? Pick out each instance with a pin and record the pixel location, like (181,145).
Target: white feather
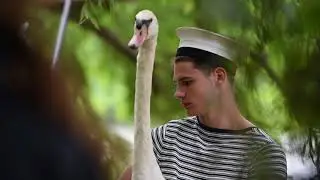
(145,166)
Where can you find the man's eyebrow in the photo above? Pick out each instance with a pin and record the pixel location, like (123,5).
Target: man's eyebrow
(182,79)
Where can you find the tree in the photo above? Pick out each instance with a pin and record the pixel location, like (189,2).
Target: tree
(277,84)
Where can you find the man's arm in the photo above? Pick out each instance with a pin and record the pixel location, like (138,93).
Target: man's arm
(270,163)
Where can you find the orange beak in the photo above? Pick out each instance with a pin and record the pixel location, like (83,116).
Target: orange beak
(138,38)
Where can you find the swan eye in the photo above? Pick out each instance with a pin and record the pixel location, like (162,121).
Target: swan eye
(147,22)
(140,23)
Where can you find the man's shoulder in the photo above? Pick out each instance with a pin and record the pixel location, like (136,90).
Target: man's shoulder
(185,121)
(171,129)
(267,145)
(270,157)
(264,137)
(177,124)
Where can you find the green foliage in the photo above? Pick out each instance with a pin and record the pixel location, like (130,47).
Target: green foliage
(277,85)
(279,34)
(120,20)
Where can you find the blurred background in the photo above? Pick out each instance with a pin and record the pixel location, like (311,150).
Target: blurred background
(277,86)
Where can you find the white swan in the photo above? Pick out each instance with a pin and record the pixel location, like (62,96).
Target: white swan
(145,166)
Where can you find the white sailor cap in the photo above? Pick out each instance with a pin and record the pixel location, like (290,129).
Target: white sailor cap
(196,40)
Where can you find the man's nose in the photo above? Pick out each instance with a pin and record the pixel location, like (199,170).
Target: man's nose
(179,94)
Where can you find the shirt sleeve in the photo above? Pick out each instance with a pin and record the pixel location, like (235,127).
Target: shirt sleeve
(158,136)
(269,163)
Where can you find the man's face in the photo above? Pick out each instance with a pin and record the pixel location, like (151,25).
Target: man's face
(197,91)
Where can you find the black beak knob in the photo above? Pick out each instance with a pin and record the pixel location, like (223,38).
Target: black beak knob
(138,24)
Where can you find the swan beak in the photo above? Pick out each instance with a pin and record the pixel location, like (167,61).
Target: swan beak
(137,39)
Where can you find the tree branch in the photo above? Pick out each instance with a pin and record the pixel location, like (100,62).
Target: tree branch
(111,39)
(107,35)
(114,41)
(261,59)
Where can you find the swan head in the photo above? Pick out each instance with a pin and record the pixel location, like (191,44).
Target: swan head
(145,28)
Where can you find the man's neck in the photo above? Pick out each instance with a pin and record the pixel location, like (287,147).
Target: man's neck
(227,116)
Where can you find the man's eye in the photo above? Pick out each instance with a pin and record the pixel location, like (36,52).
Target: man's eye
(186,83)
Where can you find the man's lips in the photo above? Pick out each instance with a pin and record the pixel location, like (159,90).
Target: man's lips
(186,105)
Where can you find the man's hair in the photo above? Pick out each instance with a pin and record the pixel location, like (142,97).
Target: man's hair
(206,65)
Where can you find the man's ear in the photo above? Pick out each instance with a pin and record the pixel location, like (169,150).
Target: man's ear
(220,74)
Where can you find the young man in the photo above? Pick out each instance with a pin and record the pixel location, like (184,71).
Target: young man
(215,141)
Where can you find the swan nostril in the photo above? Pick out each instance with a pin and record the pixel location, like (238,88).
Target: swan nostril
(139,26)
(133,46)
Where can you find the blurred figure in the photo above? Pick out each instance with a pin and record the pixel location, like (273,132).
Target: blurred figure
(42,134)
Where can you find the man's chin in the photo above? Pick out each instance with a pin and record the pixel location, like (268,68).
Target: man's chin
(192,113)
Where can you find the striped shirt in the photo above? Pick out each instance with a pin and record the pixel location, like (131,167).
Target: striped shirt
(186,149)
